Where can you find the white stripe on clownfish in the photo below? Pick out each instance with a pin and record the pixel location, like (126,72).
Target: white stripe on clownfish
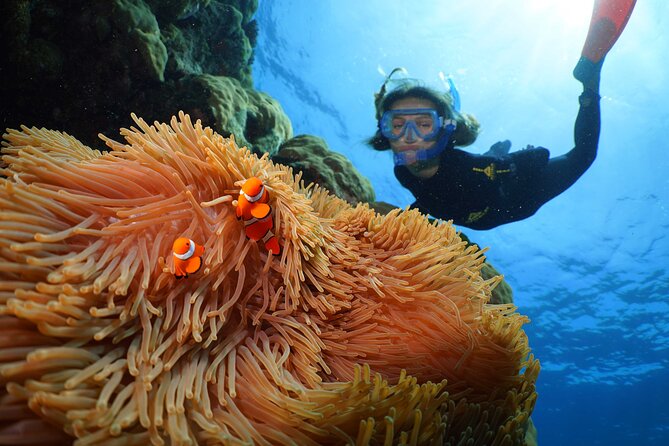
(188,254)
(256,197)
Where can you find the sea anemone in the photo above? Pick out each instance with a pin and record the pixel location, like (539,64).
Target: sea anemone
(366,329)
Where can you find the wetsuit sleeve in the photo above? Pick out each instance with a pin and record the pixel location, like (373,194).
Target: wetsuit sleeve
(563,171)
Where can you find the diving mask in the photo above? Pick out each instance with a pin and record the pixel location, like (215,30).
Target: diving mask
(411,123)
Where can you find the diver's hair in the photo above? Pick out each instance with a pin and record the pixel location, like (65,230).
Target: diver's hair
(467,129)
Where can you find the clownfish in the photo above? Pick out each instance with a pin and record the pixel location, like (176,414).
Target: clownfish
(252,207)
(187,256)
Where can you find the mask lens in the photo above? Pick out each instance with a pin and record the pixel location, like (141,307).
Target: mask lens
(425,125)
(421,123)
(398,126)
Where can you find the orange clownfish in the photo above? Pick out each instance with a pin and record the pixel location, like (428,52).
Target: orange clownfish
(187,256)
(252,207)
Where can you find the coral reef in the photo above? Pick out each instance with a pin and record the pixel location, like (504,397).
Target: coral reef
(311,156)
(247,114)
(367,329)
(108,59)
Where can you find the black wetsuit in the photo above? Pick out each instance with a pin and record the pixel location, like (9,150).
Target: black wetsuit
(482,192)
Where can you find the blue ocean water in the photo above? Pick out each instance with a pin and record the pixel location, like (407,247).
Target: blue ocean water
(590,268)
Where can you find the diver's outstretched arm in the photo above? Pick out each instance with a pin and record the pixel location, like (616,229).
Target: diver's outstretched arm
(609,18)
(563,171)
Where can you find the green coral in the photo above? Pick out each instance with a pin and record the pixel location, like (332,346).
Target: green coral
(171,10)
(135,18)
(217,39)
(311,156)
(254,118)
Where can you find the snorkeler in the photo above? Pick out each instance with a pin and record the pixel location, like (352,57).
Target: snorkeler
(423,127)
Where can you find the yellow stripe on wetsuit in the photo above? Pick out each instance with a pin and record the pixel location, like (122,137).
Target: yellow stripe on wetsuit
(491,171)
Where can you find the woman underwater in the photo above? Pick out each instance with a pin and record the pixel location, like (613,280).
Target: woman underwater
(423,127)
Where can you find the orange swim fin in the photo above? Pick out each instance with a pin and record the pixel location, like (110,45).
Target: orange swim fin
(609,18)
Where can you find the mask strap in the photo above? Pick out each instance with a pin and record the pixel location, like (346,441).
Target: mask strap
(378,97)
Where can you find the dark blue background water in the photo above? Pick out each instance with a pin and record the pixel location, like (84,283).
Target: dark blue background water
(590,268)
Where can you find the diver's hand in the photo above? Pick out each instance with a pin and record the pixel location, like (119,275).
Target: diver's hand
(499,149)
(588,73)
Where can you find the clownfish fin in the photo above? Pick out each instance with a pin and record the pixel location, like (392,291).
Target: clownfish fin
(194,266)
(260,210)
